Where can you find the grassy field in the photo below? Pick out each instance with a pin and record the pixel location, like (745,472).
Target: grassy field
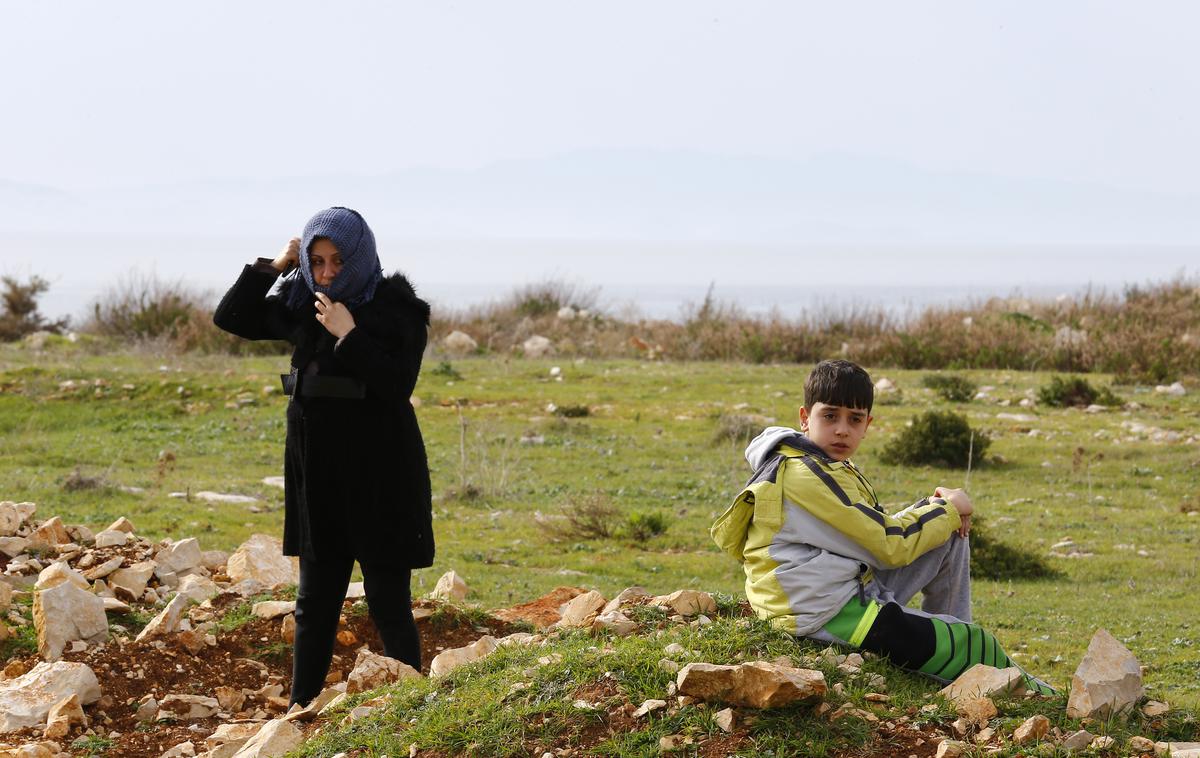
(76,427)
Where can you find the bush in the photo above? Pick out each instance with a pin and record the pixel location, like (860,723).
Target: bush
(642,525)
(1075,391)
(446,370)
(937,438)
(590,517)
(737,427)
(993,559)
(20,315)
(952,387)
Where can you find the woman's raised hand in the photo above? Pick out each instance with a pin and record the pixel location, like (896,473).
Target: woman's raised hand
(288,257)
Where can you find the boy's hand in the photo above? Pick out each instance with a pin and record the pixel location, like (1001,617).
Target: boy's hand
(958,498)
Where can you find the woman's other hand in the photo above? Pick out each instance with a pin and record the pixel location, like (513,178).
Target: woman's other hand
(335,317)
(288,257)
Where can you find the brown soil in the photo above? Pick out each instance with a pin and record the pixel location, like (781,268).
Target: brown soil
(251,657)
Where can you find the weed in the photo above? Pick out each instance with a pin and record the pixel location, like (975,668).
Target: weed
(642,525)
(92,745)
(572,411)
(588,517)
(1075,391)
(446,370)
(937,438)
(953,387)
(993,559)
(737,427)
(274,652)
(76,481)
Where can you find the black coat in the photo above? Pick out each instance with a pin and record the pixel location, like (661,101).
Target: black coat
(355,471)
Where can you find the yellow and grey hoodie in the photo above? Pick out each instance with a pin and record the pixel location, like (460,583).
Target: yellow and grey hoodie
(809,531)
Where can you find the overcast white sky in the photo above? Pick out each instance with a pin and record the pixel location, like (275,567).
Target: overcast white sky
(1104,96)
(101,94)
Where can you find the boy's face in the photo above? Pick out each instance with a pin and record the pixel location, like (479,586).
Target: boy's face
(836,429)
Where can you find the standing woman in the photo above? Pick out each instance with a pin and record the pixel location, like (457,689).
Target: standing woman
(356,476)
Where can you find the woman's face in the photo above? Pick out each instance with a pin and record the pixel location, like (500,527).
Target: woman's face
(325,260)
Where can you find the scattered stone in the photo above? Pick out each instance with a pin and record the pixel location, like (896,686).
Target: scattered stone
(130,583)
(261,558)
(649,707)
(272,609)
(275,738)
(187,707)
(180,556)
(616,622)
(120,525)
(1034,728)
(57,573)
(50,534)
(112,538)
(104,569)
(230,699)
(688,602)
(977,710)
(5,596)
(1103,742)
(1108,681)
(26,701)
(581,610)
(628,596)
(147,709)
(951,749)
(13,546)
(182,750)
(65,612)
(448,660)
(537,346)
(372,670)
(1154,708)
(724,719)
(66,713)
(1141,744)
(459,343)
(12,517)
(287,629)
(985,736)
(318,703)
(984,681)
(758,684)
(1077,740)
(1175,389)
(450,588)
(167,620)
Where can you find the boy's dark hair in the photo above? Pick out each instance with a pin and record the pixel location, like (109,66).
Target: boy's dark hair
(839,382)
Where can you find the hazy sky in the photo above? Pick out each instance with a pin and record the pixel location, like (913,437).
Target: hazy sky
(124,93)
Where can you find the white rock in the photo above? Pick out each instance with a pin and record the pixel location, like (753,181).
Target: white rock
(1034,728)
(270,609)
(57,573)
(355,590)
(261,558)
(198,588)
(180,556)
(104,569)
(581,610)
(885,385)
(50,534)
(537,346)
(168,620)
(688,602)
(120,525)
(567,313)
(450,588)
(182,750)
(25,702)
(275,481)
(984,681)
(448,660)
(65,612)
(724,720)
(66,713)
(758,684)
(616,622)
(372,670)
(627,597)
(13,516)
(187,707)
(114,605)
(132,579)
(13,546)
(228,738)
(275,738)
(1107,682)
(112,538)
(5,595)
(214,497)
(1077,740)
(213,559)
(649,707)
(950,749)
(1176,389)
(459,343)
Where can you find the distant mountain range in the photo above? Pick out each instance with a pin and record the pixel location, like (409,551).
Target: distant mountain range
(638,195)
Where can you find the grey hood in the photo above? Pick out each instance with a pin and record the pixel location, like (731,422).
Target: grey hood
(764,446)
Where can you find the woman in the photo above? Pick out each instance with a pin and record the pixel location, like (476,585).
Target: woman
(356,476)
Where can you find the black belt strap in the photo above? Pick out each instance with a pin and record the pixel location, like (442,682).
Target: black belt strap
(314,385)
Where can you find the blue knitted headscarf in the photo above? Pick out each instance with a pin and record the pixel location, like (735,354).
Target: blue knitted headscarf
(360,273)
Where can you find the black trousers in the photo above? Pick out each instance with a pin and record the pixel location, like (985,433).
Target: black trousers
(319,599)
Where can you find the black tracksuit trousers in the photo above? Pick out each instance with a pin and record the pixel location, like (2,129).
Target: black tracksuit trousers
(319,599)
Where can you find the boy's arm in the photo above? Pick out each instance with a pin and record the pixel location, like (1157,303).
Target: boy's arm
(892,540)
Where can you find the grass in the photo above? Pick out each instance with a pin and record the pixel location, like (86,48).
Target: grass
(647,445)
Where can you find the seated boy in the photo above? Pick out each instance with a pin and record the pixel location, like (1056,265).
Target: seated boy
(824,560)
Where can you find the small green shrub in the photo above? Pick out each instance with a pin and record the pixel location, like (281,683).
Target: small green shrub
(937,438)
(1075,391)
(953,387)
(572,411)
(642,525)
(737,427)
(589,517)
(993,559)
(446,370)
(92,745)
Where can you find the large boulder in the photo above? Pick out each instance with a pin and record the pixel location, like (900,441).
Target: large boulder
(1108,681)
(26,701)
(372,670)
(261,558)
(57,573)
(758,684)
(459,343)
(65,612)
(537,346)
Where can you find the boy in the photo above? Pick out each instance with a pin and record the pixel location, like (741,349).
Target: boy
(822,558)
